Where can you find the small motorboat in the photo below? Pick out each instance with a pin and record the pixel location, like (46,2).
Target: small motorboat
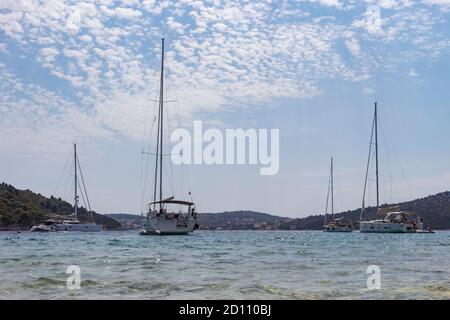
(41,228)
(338,225)
(425,231)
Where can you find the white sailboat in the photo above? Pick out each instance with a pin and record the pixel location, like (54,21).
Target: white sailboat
(393,219)
(161,219)
(72,224)
(334,225)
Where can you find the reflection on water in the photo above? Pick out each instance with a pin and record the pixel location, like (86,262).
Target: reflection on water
(225,265)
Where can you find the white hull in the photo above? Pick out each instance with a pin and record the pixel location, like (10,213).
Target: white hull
(381,226)
(82,227)
(338,229)
(74,227)
(161,225)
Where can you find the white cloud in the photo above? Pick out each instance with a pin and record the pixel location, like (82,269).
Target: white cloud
(49,54)
(121,12)
(353,46)
(412,73)
(438,2)
(328,3)
(220,56)
(41,122)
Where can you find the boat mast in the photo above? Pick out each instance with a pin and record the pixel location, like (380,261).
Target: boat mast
(76,196)
(376,155)
(161,105)
(363,206)
(157,159)
(332,189)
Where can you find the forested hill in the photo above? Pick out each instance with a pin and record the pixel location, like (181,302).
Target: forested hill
(435,211)
(24,208)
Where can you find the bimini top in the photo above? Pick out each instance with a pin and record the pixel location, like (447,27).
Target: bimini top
(173,201)
(399,213)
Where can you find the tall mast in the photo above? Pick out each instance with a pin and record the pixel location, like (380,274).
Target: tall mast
(155,189)
(76,182)
(376,154)
(161,110)
(332,188)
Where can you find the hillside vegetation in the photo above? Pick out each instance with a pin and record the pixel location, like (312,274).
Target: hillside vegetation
(434,210)
(25,208)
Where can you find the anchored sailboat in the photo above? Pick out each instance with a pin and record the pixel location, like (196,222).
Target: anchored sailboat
(335,225)
(394,220)
(160,219)
(75,224)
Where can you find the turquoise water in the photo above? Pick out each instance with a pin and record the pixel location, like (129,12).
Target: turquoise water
(225,265)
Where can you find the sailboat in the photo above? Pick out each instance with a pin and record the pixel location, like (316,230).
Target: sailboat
(161,220)
(393,219)
(335,225)
(75,224)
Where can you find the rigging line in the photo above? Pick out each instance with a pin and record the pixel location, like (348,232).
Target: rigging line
(145,127)
(69,176)
(182,179)
(144,143)
(82,195)
(157,159)
(166,173)
(367,170)
(388,159)
(89,213)
(144,174)
(85,202)
(151,189)
(338,194)
(84,188)
(177,119)
(141,202)
(188,179)
(62,173)
(141,182)
(168,139)
(149,141)
(154,154)
(328,197)
(169,125)
(399,162)
(184,168)
(161,115)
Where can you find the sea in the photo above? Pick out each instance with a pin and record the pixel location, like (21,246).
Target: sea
(224,265)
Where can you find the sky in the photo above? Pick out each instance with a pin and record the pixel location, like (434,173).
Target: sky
(88,71)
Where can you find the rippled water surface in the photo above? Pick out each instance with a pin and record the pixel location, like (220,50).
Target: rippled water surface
(225,265)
